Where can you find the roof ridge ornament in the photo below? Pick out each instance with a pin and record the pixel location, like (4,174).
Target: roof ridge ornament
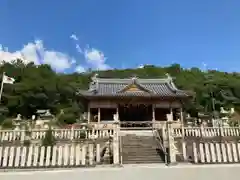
(95,76)
(169,77)
(171,83)
(94,84)
(134,78)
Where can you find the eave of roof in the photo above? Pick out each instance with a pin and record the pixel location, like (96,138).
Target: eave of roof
(88,94)
(102,87)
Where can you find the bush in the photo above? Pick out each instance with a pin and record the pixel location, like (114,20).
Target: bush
(82,134)
(7,124)
(26,142)
(49,139)
(2,118)
(67,119)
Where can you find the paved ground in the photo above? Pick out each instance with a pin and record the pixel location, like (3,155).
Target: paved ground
(131,172)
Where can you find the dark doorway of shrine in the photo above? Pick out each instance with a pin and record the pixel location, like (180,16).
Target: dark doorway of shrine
(135,113)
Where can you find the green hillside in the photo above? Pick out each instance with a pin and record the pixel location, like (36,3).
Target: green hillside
(41,88)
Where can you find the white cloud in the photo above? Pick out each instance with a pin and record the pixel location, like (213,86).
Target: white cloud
(80,69)
(79,49)
(93,57)
(96,59)
(57,60)
(74,37)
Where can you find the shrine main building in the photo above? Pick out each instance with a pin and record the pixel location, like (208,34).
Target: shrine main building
(133,101)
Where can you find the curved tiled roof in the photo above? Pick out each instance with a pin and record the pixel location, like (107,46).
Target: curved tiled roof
(149,87)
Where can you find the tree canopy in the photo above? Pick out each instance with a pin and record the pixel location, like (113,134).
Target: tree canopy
(39,87)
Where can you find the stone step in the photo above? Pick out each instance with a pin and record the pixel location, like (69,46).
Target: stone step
(153,149)
(129,150)
(142,162)
(147,151)
(146,139)
(133,161)
(140,153)
(142,157)
(137,139)
(139,142)
(142,142)
(140,149)
(140,146)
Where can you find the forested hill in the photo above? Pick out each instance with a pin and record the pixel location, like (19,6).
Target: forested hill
(39,87)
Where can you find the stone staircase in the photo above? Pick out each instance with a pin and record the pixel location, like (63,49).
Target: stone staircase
(141,149)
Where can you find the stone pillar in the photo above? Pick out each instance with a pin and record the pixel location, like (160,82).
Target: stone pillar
(99,115)
(172,148)
(116,145)
(183,135)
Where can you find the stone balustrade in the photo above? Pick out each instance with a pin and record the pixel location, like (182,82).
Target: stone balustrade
(74,155)
(215,153)
(74,134)
(79,153)
(59,134)
(206,131)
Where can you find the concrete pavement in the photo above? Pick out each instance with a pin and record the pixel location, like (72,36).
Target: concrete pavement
(132,172)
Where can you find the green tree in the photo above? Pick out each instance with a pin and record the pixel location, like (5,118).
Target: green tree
(39,87)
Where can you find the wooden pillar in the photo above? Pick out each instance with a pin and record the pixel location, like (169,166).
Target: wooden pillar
(117,113)
(99,115)
(171,112)
(182,124)
(181,116)
(153,113)
(88,114)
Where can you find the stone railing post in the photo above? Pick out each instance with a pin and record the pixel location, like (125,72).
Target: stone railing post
(164,135)
(171,145)
(221,130)
(202,131)
(116,144)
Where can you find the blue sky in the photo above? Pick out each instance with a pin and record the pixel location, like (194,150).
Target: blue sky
(79,34)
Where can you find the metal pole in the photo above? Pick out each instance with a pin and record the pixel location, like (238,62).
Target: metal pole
(1,90)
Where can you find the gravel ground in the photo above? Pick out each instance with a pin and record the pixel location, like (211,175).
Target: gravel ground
(132,172)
